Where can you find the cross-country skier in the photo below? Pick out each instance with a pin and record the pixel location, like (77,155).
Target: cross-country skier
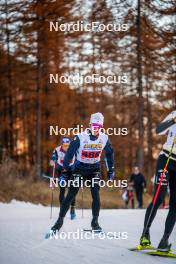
(168,126)
(88,147)
(57,160)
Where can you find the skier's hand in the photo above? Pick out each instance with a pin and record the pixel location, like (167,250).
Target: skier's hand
(52,163)
(64,173)
(145,190)
(111,175)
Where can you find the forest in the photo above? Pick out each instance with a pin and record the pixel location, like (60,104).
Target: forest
(33,52)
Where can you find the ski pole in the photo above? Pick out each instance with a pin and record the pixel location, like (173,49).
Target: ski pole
(82,196)
(159,185)
(51,207)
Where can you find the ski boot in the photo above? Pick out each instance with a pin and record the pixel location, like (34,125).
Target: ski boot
(164,245)
(95,225)
(145,240)
(57,226)
(72,213)
(144,244)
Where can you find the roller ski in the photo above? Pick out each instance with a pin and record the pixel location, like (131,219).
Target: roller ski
(169,254)
(163,250)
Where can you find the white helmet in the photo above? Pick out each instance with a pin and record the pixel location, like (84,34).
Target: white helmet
(97,118)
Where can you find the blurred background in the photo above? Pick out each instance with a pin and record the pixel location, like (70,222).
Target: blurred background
(29,103)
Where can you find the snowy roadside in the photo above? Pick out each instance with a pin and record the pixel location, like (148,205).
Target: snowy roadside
(23,226)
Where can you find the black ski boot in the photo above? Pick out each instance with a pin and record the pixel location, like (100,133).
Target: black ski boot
(95,225)
(57,226)
(145,240)
(164,245)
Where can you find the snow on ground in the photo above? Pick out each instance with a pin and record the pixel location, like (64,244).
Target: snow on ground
(23,226)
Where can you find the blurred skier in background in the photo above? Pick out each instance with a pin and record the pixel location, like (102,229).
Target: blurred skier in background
(57,160)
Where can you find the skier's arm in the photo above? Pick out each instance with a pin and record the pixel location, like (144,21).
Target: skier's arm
(164,126)
(109,156)
(73,147)
(54,158)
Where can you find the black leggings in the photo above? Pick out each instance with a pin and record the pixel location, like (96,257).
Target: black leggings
(62,196)
(170,177)
(139,196)
(74,190)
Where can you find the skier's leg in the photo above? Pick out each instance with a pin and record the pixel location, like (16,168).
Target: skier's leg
(65,206)
(95,188)
(171,217)
(72,209)
(95,200)
(147,221)
(152,209)
(68,200)
(61,194)
(150,215)
(73,202)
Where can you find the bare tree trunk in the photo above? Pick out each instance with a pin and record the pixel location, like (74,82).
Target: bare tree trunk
(149,135)
(38,109)
(140,89)
(9,83)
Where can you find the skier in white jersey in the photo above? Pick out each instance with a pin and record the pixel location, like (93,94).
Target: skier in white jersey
(168,126)
(87,147)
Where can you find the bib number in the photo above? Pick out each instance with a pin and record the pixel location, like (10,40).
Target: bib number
(86,154)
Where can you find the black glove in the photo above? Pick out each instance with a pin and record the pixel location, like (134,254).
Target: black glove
(62,180)
(64,173)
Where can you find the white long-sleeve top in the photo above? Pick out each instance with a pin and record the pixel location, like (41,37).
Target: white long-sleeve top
(171,135)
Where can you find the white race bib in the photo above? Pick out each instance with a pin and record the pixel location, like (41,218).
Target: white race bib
(90,150)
